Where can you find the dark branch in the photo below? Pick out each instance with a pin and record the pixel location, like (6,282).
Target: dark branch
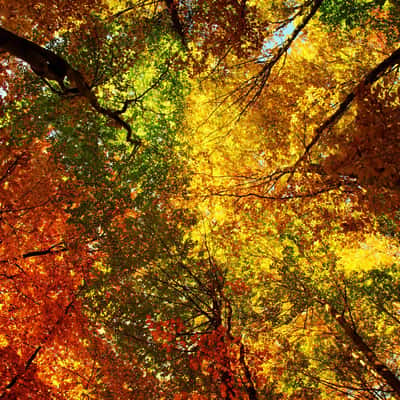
(380,368)
(43,252)
(28,363)
(48,65)
(176,23)
(258,82)
(36,253)
(43,62)
(371,78)
(10,168)
(128,102)
(17,376)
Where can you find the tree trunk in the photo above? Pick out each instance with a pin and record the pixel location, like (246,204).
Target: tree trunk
(49,65)
(378,366)
(43,62)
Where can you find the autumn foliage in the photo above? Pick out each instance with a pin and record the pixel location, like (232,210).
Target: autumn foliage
(199,200)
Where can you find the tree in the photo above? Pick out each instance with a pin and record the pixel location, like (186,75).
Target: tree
(260,176)
(189,192)
(51,182)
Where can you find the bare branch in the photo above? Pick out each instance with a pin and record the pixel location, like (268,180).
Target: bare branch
(260,80)
(128,102)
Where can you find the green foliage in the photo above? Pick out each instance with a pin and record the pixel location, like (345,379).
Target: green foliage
(349,14)
(363,13)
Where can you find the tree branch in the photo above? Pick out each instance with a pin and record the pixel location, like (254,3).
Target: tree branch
(35,253)
(30,360)
(378,366)
(260,80)
(370,78)
(176,23)
(17,376)
(48,65)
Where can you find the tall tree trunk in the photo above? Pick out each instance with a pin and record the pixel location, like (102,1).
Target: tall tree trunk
(378,366)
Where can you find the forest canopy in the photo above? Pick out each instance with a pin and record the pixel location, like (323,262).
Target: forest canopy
(199,199)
